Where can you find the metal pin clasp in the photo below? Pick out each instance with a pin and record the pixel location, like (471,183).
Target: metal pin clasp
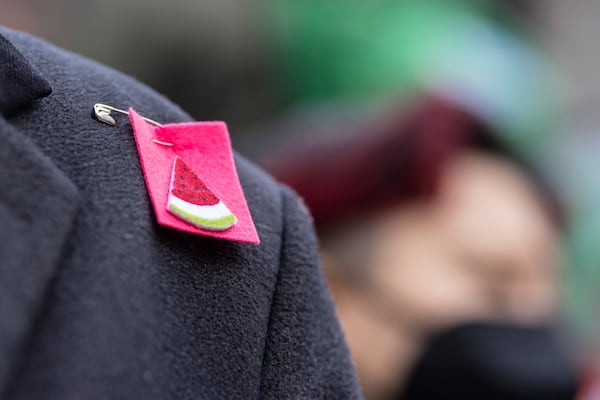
(102,114)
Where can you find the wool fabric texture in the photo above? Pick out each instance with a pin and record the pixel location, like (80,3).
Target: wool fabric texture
(99,301)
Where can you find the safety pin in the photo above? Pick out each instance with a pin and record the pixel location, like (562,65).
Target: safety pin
(102,114)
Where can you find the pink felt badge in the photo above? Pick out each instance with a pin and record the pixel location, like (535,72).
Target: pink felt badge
(206,149)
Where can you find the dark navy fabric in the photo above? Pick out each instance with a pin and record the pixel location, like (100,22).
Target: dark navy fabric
(99,302)
(21,82)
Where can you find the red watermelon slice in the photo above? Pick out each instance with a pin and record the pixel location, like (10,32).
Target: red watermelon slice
(192,201)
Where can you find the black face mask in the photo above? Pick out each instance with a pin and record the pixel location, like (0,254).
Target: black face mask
(492,362)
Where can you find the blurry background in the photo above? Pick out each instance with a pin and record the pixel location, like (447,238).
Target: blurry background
(286,72)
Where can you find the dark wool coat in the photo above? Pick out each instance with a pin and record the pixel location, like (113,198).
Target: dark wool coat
(97,301)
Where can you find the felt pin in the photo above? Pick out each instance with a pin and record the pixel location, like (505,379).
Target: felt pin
(191,177)
(205,149)
(102,114)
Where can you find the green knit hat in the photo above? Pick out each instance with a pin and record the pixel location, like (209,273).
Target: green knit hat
(346,50)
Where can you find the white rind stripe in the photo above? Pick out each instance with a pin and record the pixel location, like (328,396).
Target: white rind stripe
(216,211)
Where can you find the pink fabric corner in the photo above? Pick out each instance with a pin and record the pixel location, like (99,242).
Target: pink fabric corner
(206,148)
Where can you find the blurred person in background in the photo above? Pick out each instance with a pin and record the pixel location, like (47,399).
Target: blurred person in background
(442,246)
(442,251)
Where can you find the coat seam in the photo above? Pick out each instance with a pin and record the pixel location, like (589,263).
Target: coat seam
(275,289)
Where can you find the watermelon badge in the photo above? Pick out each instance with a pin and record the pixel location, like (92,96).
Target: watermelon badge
(192,201)
(192,179)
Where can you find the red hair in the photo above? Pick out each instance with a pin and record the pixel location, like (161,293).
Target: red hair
(398,160)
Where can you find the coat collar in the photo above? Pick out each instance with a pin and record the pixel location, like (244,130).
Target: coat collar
(20,82)
(38,205)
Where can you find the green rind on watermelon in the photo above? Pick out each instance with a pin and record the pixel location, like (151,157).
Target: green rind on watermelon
(219,224)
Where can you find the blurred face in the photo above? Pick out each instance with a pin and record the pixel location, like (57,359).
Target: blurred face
(482,250)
